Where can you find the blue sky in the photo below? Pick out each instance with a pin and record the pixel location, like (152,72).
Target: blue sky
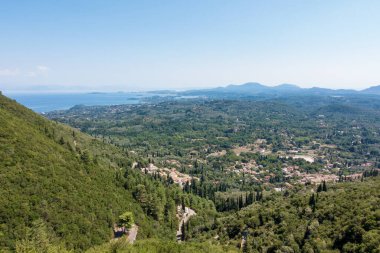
(145,45)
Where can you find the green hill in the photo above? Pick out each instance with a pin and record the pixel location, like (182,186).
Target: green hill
(63,189)
(51,172)
(67,179)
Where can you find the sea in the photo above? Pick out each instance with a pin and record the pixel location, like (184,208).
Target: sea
(47,102)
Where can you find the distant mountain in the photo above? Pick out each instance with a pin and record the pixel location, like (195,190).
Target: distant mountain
(372,90)
(244,88)
(325,91)
(257,89)
(287,87)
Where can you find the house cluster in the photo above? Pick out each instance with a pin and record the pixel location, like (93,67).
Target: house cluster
(317,178)
(353,177)
(248,168)
(179,178)
(367,164)
(291,170)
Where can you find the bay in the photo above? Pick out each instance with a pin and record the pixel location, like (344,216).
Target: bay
(47,102)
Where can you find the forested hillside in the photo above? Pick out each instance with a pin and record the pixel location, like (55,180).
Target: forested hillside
(74,186)
(51,172)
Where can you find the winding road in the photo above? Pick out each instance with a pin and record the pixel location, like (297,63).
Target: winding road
(184,218)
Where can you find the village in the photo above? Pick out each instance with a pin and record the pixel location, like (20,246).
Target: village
(292,174)
(178,178)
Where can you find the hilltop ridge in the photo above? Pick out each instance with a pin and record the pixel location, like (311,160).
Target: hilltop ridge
(258,89)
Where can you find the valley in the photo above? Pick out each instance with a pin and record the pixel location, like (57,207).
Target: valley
(198,171)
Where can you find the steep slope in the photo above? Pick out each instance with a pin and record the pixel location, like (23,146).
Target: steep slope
(52,172)
(61,188)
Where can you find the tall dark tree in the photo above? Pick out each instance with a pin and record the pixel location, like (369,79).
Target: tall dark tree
(183,204)
(312,201)
(320,188)
(324,187)
(183,235)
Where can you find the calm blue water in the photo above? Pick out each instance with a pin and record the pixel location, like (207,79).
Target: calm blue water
(49,102)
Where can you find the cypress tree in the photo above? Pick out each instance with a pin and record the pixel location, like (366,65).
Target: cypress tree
(312,200)
(183,236)
(324,187)
(319,189)
(183,204)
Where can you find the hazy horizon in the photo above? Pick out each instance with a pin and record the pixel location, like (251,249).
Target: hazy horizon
(115,89)
(84,46)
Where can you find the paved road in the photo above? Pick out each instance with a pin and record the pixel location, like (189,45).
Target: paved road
(184,218)
(188,213)
(132,234)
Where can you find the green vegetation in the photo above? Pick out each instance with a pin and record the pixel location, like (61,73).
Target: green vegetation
(214,139)
(344,218)
(126,220)
(38,239)
(156,246)
(69,185)
(77,185)
(233,162)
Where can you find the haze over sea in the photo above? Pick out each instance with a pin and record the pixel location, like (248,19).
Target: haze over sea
(49,102)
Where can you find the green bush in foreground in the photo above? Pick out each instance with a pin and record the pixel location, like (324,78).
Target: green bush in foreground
(159,246)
